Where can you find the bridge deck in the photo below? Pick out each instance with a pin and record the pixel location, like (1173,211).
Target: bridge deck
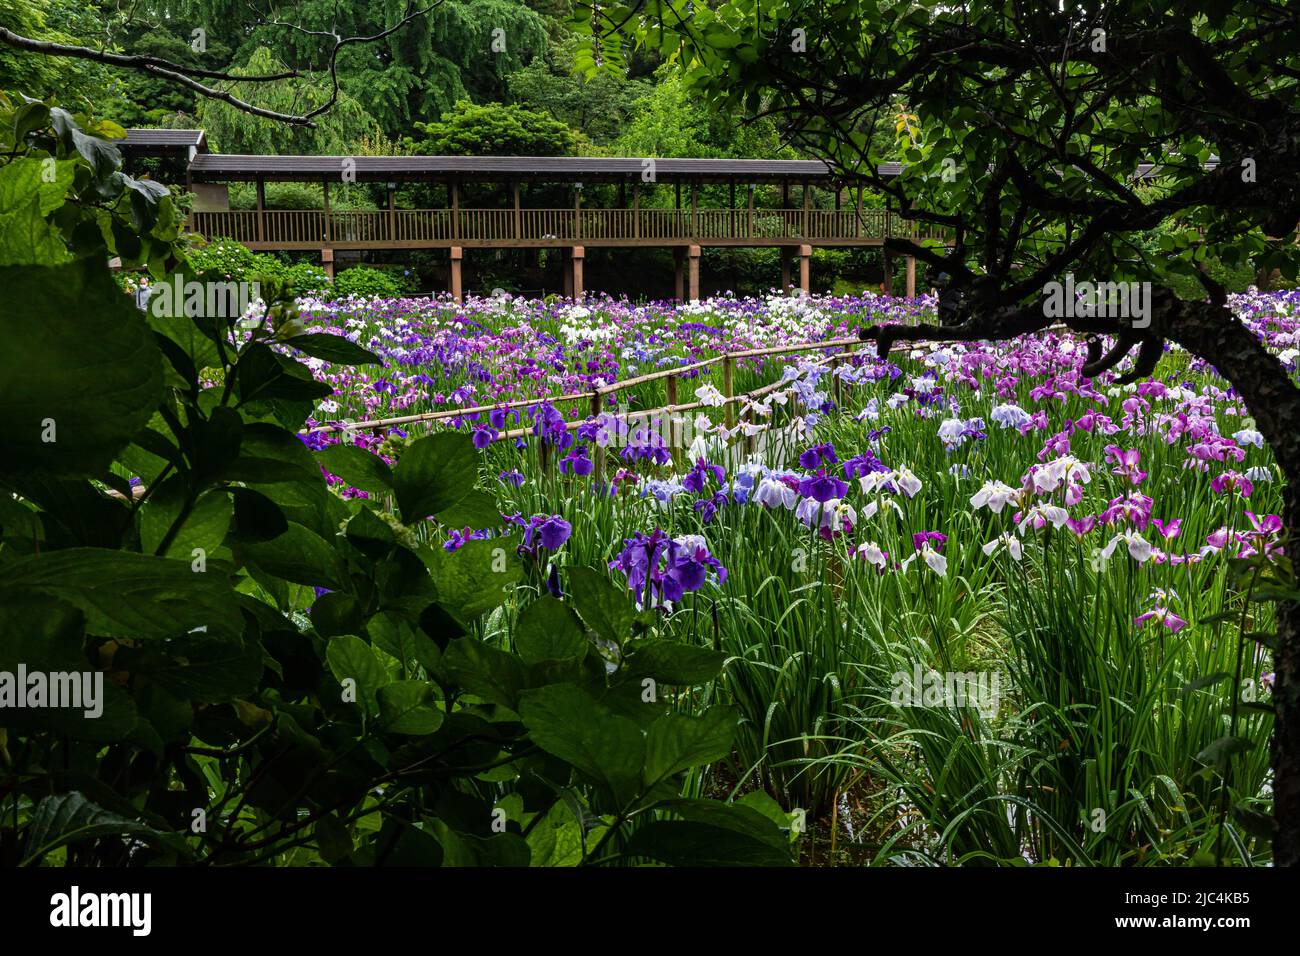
(513,228)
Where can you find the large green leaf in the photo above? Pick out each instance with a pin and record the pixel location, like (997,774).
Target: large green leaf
(409,707)
(677,742)
(549,631)
(27,196)
(435,473)
(605,607)
(668,662)
(566,721)
(351,658)
(80,374)
(358,467)
(711,833)
(122,594)
(298,555)
(66,818)
(204,526)
(472,580)
(334,349)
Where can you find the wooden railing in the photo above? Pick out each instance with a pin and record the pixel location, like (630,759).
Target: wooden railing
(312,228)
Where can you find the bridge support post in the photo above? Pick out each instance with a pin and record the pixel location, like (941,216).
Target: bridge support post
(327,262)
(805,264)
(577,254)
(888,271)
(911,276)
(693,255)
(454,279)
(787,254)
(679,274)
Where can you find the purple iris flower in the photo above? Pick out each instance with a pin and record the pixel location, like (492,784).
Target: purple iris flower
(694,481)
(484,436)
(817,455)
(860,465)
(822,487)
(554,531)
(576,461)
(513,477)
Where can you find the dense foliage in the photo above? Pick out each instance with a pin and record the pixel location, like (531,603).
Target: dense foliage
(292,676)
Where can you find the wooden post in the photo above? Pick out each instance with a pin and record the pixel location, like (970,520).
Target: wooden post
(805,264)
(731,204)
(785,206)
(693,272)
(728,389)
(577,214)
(695,212)
(453,191)
(514,188)
(674,419)
(457,292)
(325,185)
(677,206)
(911,276)
(327,261)
(598,453)
(392,213)
(636,211)
(749,228)
(261,209)
(577,256)
(806,198)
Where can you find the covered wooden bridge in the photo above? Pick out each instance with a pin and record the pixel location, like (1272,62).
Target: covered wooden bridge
(827,211)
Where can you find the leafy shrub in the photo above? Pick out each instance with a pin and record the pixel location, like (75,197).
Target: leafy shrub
(368,282)
(306,676)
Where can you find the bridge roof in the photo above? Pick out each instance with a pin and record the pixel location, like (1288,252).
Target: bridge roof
(211,167)
(158,142)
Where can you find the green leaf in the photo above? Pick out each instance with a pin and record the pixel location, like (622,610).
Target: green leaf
(358,467)
(606,608)
(204,527)
(129,595)
(299,555)
(1222,749)
(80,375)
(711,834)
(668,662)
(67,818)
(435,473)
(564,720)
(548,631)
(334,349)
(48,636)
(351,658)
(484,671)
(472,580)
(26,237)
(194,669)
(1202,682)
(677,742)
(409,707)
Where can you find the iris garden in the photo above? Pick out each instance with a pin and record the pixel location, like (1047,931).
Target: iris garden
(1092,549)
